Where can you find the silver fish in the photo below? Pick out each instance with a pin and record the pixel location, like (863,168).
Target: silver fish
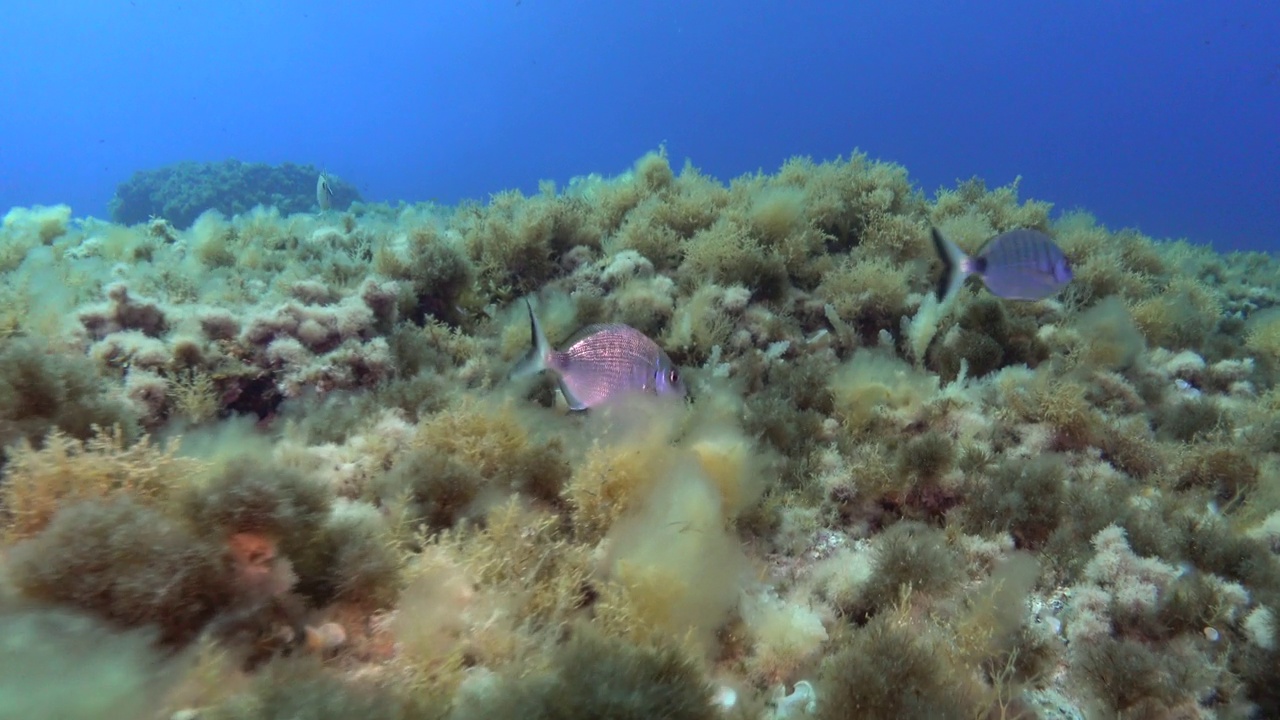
(324,193)
(1016,265)
(601,363)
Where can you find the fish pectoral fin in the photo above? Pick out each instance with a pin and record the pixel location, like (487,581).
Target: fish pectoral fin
(570,399)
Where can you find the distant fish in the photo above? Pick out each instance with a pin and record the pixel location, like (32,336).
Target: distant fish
(324,193)
(601,363)
(1016,265)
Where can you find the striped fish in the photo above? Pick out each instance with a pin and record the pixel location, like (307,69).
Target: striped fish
(601,363)
(1016,265)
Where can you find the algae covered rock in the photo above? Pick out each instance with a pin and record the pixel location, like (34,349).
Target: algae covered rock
(180,192)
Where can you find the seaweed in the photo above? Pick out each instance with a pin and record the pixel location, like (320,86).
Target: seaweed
(60,663)
(128,564)
(1189,419)
(926,458)
(1022,496)
(988,336)
(361,564)
(594,676)
(302,689)
(436,272)
(249,494)
(42,388)
(1129,678)
(436,490)
(1228,472)
(908,555)
(887,670)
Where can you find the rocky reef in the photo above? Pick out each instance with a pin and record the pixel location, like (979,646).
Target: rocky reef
(181,192)
(270,464)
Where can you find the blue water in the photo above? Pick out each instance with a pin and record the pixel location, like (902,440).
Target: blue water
(1164,116)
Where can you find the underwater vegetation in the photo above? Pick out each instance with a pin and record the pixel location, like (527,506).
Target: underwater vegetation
(266,461)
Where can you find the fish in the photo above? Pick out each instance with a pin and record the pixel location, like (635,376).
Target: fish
(600,364)
(1015,265)
(324,193)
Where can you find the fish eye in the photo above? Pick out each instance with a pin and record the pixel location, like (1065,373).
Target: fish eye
(673,377)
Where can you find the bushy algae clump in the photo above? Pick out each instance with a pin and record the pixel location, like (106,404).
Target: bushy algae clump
(278,451)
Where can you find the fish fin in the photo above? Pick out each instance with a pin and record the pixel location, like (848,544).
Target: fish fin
(953,266)
(534,361)
(570,399)
(587,385)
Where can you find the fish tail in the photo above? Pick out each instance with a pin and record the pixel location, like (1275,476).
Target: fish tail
(953,266)
(534,361)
